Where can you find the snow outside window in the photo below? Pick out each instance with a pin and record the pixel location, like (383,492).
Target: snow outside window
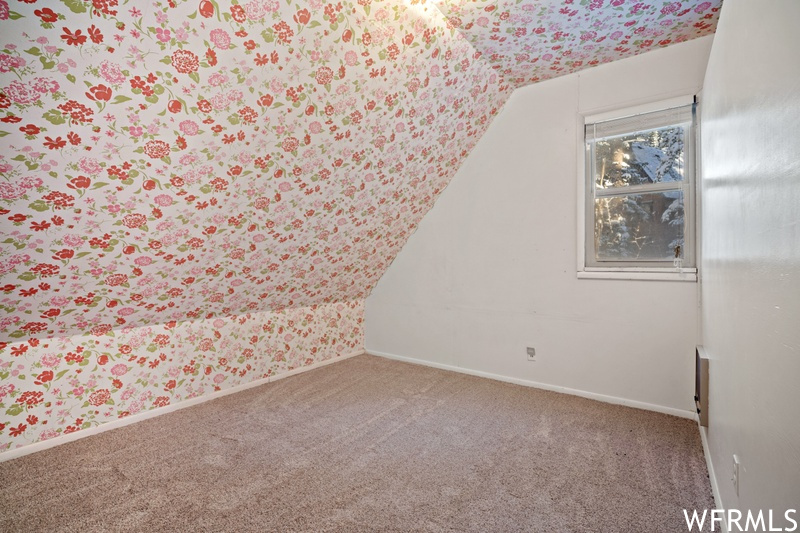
(639,185)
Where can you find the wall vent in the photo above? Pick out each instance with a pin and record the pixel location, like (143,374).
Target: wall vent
(701,384)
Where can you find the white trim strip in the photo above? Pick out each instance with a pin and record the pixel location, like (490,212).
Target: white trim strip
(649,188)
(544,386)
(657,270)
(678,101)
(152,413)
(710,465)
(641,275)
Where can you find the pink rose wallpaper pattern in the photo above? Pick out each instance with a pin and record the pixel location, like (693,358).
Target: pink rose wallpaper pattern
(169,161)
(529,41)
(198,194)
(61,385)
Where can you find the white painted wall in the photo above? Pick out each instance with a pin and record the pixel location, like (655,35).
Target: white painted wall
(492,267)
(751,264)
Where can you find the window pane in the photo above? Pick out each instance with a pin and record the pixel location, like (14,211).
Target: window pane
(639,158)
(644,227)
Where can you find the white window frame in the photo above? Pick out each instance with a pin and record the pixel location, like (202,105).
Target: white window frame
(585,225)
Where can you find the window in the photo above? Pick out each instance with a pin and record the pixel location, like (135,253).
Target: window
(638,194)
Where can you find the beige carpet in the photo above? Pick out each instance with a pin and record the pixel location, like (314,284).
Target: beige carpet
(369,444)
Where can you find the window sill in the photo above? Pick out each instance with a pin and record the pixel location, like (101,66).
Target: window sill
(686,274)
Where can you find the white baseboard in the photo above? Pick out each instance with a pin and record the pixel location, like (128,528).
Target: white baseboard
(152,413)
(711,474)
(545,386)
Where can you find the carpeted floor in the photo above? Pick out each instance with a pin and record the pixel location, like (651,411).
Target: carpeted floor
(369,444)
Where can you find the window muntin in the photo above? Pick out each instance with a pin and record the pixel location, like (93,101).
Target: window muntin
(639,182)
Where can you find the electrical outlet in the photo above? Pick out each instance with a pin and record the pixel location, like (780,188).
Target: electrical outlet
(735,478)
(531,354)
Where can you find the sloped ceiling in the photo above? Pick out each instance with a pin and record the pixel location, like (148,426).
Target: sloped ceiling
(168,161)
(165,161)
(533,40)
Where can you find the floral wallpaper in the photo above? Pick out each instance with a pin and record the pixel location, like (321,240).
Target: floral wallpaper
(533,40)
(177,160)
(56,386)
(197,194)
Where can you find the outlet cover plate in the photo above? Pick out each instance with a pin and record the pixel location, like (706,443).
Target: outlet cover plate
(531,353)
